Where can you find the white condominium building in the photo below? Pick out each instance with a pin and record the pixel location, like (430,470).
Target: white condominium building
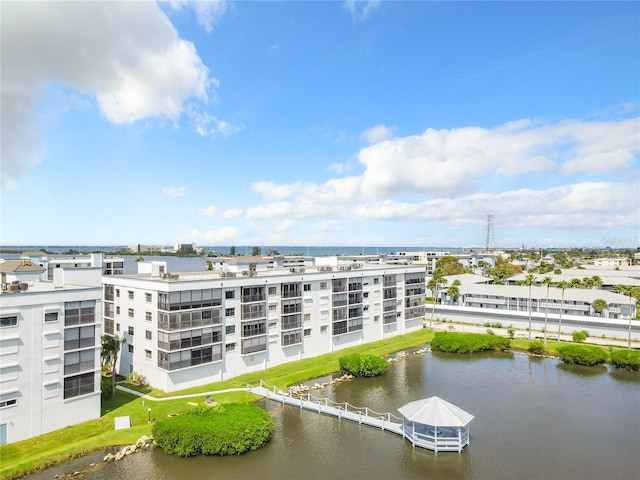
(189,329)
(49,348)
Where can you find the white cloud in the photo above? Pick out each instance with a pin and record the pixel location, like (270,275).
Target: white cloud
(174,192)
(360,9)
(377,134)
(285,226)
(213,211)
(208,12)
(99,49)
(207,125)
(222,235)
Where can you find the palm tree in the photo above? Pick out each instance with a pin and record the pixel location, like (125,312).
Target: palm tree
(110,350)
(632,292)
(562,285)
(597,281)
(599,305)
(436,279)
(546,281)
(528,281)
(575,283)
(453,290)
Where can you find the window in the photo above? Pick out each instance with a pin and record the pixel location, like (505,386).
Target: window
(79,385)
(230,347)
(9,402)
(230,329)
(307,332)
(307,317)
(229,312)
(118,292)
(230,294)
(117,310)
(117,327)
(376,281)
(272,290)
(131,313)
(147,334)
(323,328)
(130,330)
(323,285)
(77,313)
(252,345)
(79,337)
(50,317)
(291,338)
(365,294)
(273,307)
(75,362)
(11,321)
(147,297)
(130,348)
(147,354)
(130,294)
(147,316)
(307,287)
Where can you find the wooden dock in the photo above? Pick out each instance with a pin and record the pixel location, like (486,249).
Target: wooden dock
(362,415)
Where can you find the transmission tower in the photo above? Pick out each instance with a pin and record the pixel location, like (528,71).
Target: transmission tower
(491,239)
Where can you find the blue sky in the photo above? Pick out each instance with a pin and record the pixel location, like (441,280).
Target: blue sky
(321,123)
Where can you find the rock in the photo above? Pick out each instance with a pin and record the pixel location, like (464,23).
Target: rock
(108,457)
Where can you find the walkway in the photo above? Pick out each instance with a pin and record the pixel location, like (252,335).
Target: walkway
(177,397)
(361,415)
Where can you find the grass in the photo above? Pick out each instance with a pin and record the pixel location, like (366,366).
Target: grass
(32,455)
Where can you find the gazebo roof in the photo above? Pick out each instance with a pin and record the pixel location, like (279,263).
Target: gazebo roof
(435,411)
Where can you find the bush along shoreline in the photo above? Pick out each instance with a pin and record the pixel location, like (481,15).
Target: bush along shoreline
(363,365)
(453,342)
(229,429)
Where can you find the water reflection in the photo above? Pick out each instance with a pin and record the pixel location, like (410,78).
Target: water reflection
(534,418)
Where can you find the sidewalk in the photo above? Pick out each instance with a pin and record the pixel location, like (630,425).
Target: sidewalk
(177,397)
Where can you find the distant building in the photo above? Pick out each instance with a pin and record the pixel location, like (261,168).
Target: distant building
(612,262)
(49,348)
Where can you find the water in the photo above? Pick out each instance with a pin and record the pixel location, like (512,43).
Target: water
(534,419)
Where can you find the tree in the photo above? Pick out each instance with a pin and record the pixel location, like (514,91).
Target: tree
(450,266)
(256,251)
(528,281)
(579,337)
(599,305)
(454,291)
(140,259)
(575,283)
(562,285)
(546,281)
(110,349)
(632,292)
(596,281)
(232,251)
(436,280)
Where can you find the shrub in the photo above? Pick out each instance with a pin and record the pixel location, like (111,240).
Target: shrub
(229,429)
(511,332)
(579,337)
(627,359)
(490,332)
(536,348)
(363,365)
(582,355)
(135,378)
(106,387)
(468,342)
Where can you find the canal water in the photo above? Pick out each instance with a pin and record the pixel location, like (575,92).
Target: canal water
(534,419)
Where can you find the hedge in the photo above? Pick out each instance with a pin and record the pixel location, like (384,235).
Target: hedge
(229,429)
(363,365)
(628,359)
(583,355)
(453,342)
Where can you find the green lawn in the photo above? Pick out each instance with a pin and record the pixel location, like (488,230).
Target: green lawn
(18,459)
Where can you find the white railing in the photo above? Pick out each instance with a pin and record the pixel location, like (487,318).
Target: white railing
(327,402)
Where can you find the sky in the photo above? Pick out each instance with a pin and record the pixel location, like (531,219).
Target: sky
(354,123)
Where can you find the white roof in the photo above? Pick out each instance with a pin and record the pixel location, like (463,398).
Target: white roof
(436,412)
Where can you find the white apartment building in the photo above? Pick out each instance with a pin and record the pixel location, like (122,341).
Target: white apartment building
(189,329)
(49,348)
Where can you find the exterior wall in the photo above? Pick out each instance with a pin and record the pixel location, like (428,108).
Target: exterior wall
(610,328)
(262,313)
(32,362)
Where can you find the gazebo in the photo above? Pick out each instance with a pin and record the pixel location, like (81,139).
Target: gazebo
(436,424)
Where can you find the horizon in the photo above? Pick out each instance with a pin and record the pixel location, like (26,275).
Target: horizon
(353,122)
